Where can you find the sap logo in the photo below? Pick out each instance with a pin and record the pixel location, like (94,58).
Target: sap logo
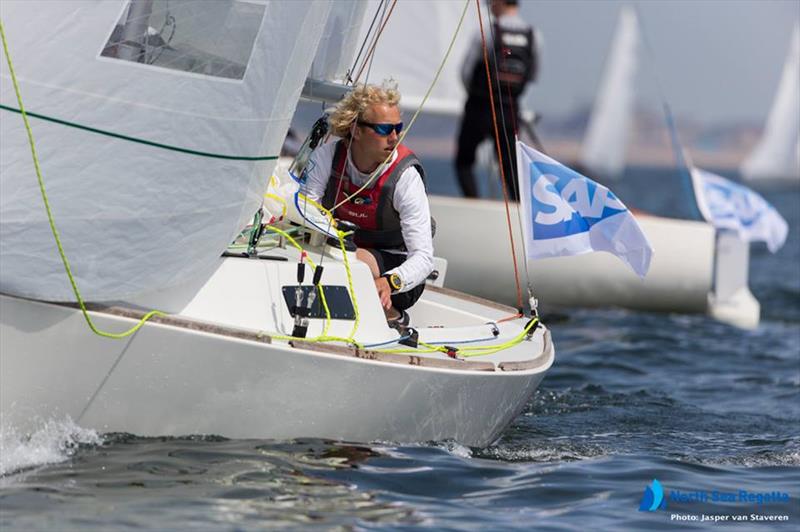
(565,203)
(653,498)
(731,201)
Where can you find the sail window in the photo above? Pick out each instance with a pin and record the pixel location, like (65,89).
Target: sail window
(212,38)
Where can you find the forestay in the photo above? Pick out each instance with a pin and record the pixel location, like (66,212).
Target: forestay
(214,77)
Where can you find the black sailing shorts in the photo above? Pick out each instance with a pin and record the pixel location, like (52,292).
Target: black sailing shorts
(388,261)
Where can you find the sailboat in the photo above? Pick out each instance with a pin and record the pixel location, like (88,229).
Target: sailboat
(701,271)
(776,157)
(606,139)
(154,130)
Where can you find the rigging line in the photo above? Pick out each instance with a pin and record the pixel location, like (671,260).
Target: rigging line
(104,381)
(419,109)
(511,148)
(338,190)
(500,158)
(138,140)
(682,160)
(49,212)
(384,18)
(368,58)
(349,80)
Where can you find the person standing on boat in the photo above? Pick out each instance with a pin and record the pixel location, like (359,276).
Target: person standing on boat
(512,61)
(380,185)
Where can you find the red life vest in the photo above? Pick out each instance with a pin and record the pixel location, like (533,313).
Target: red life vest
(372,209)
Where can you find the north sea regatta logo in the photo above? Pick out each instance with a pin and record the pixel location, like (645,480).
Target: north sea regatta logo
(653,498)
(726,505)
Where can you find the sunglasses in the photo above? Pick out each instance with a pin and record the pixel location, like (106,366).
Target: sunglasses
(383,129)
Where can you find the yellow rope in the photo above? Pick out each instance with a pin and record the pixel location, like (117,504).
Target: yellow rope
(350,287)
(281,200)
(468,351)
(341,236)
(414,118)
(50,214)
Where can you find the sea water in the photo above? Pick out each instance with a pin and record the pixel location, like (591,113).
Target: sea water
(710,412)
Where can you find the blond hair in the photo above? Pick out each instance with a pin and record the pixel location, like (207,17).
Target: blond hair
(351,108)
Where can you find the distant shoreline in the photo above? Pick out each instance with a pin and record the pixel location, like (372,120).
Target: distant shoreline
(567,150)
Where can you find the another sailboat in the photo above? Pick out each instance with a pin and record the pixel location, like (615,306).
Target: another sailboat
(606,140)
(699,272)
(150,130)
(776,157)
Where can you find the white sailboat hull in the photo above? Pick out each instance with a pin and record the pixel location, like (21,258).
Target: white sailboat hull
(694,269)
(182,375)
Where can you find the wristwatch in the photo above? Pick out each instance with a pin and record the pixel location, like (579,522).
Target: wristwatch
(395,282)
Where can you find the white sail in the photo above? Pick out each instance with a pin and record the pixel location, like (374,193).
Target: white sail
(411,48)
(777,155)
(218,77)
(606,140)
(339,40)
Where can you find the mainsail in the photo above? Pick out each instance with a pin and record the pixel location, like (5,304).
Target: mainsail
(410,51)
(339,40)
(135,215)
(606,140)
(777,155)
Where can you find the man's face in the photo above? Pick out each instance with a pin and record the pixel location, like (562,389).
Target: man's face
(375,146)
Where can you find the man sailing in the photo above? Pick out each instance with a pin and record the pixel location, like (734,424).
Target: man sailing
(394,237)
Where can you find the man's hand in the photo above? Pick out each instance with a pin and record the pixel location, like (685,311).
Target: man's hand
(384,292)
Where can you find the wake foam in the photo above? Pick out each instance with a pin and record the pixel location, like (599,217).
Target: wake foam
(53,441)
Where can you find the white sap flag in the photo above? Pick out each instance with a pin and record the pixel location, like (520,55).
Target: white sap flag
(566,213)
(729,205)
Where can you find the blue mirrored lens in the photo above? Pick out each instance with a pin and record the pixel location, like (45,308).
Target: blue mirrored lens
(386,129)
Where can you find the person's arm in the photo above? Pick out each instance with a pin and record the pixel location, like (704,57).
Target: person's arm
(411,202)
(474,53)
(318,171)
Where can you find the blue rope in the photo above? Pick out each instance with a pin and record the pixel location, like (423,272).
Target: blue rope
(395,341)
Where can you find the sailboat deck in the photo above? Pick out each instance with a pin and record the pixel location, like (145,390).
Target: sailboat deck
(503,361)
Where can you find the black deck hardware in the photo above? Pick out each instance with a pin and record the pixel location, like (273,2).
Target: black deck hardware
(338,298)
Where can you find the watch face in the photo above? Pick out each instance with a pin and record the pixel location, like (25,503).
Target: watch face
(394,280)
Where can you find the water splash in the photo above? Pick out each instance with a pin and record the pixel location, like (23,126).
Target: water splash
(52,442)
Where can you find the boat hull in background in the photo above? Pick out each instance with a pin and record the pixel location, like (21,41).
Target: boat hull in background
(694,268)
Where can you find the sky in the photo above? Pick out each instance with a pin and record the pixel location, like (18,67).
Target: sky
(719,61)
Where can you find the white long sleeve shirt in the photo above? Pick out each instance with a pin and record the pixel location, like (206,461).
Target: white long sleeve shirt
(409,200)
